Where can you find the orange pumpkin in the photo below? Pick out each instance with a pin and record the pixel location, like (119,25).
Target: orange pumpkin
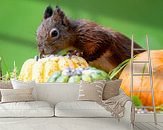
(142,83)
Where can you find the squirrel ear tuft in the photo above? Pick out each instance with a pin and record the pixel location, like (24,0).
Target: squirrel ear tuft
(48,12)
(58,12)
(57,6)
(60,16)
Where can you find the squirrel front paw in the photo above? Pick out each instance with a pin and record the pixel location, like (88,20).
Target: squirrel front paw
(75,52)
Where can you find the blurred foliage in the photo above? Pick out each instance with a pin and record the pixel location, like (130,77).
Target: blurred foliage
(19,20)
(136,100)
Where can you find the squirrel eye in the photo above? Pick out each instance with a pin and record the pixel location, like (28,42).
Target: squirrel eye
(54,33)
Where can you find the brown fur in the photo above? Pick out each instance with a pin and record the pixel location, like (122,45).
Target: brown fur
(101,47)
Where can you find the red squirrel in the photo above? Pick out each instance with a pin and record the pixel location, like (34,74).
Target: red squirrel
(101,47)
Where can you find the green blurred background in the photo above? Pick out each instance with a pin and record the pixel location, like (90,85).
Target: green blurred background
(19,20)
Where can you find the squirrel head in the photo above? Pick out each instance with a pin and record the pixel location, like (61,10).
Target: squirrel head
(54,33)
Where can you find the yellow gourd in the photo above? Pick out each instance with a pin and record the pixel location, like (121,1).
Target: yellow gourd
(26,70)
(42,69)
